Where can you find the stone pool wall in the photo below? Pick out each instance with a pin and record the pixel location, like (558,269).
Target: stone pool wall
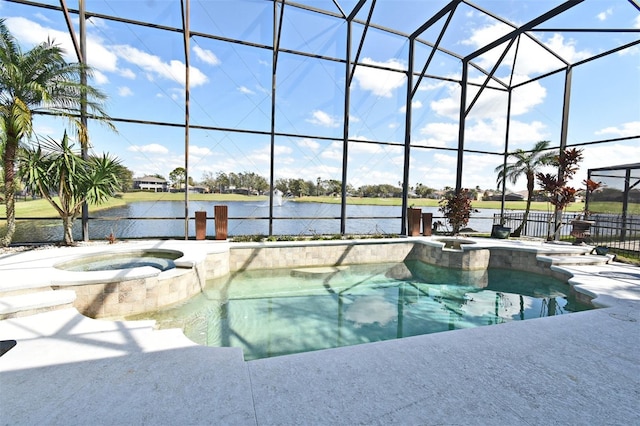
(523,260)
(122,296)
(467,259)
(251,256)
(217,264)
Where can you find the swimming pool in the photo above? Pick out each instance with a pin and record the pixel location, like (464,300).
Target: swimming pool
(282,311)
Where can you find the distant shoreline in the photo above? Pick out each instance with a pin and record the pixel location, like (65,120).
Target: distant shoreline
(41,208)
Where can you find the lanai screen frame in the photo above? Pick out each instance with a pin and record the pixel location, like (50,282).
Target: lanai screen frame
(415,72)
(629,182)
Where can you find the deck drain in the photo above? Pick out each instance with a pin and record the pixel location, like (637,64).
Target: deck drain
(620,275)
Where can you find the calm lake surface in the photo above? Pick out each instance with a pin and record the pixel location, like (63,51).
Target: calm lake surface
(164,219)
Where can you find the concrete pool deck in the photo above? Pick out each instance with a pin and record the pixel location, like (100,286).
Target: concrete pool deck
(582,368)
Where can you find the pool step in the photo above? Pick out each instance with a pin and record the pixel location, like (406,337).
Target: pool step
(33,303)
(572,260)
(316,271)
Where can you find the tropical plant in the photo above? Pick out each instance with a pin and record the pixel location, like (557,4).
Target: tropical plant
(55,168)
(39,80)
(556,187)
(456,208)
(526,163)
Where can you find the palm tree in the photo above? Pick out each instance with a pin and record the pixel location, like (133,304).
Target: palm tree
(55,168)
(526,163)
(39,80)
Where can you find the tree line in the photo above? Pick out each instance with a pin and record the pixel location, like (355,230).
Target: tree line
(255,184)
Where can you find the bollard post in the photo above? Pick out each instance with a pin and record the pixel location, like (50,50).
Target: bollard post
(201,225)
(413,218)
(221,220)
(427,219)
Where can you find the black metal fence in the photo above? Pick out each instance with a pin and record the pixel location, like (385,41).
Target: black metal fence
(619,233)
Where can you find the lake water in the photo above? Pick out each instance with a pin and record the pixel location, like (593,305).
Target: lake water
(164,219)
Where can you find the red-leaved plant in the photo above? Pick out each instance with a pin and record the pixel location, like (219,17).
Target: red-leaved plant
(556,187)
(456,208)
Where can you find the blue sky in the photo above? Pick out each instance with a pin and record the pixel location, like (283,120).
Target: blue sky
(142,72)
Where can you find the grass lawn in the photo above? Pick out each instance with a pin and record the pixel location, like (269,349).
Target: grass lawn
(41,208)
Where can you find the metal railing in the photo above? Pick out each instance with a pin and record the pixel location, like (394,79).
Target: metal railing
(619,233)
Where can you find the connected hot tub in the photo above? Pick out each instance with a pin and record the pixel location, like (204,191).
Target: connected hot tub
(161,259)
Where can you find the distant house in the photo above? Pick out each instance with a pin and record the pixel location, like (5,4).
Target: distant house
(151,183)
(198,189)
(512,196)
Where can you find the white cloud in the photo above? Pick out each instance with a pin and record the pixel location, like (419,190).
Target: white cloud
(491,103)
(566,48)
(281,149)
(200,151)
(441,133)
(100,57)
(127,73)
(206,56)
(100,78)
(177,94)
(154,66)
(41,17)
(124,91)
(309,144)
(104,58)
(445,159)
(332,154)
(152,148)
(246,91)
(636,22)
(606,155)
(380,82)
(414,105)
(631,128)
(437,85)
(431,142)
(489,131)
(199,158)
(532,59)
(602,16)
(321,118)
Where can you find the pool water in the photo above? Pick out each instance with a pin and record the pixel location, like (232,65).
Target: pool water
(159,259)
(277,312)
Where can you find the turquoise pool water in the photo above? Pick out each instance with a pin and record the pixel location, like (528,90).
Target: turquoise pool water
(276,312)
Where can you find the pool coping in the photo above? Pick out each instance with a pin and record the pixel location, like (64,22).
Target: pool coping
(41,263)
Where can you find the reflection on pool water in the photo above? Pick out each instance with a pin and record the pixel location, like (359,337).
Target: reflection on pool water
(159,259)
(276,312)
